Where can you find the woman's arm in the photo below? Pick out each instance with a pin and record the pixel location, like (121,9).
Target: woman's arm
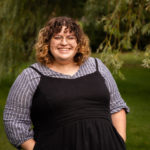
(16,117)
(28,145)
(119,122)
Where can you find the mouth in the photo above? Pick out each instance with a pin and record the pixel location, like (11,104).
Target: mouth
(64,49)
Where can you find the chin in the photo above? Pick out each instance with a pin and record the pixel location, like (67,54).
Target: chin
(64,58)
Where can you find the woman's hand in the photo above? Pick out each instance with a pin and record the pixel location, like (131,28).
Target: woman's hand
(119,122)
(28,145)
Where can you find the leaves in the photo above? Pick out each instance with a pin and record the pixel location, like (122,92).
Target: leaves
(126,26)
(146,29)
(146,60)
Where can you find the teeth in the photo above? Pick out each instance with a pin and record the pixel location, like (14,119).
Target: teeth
(64,49)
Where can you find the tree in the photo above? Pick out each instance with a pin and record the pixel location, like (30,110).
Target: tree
(126,24)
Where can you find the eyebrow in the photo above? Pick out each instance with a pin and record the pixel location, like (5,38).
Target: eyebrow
(72,34)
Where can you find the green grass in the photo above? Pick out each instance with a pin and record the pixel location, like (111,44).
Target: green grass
(136,92)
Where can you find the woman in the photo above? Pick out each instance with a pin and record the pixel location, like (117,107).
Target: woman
(70,98)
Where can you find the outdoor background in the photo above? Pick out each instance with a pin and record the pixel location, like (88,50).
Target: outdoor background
(119,33)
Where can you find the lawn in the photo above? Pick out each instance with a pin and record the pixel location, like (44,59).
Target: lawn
(136,92)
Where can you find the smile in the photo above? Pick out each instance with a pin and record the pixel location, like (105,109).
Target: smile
(64,50)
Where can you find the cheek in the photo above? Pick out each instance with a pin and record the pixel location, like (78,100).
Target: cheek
(76,47)
(52,44)
(75,44)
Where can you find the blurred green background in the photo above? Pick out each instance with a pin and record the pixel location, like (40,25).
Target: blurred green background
(119,33)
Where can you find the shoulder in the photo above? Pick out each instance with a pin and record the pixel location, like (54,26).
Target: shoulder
(102,68)
(29,73)
(91,61)
(89,66)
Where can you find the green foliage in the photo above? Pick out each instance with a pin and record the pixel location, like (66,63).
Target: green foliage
(146,60)
(126,24)
(19,25)
(93,11)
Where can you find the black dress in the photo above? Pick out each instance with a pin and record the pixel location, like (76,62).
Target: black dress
(73,114)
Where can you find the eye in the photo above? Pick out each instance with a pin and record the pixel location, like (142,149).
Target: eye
(71,37)
(57,37)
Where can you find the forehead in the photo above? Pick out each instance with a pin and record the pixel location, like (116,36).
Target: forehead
(65,30)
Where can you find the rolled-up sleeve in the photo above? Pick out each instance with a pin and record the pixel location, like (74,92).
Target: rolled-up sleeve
(116,101)
(16,115)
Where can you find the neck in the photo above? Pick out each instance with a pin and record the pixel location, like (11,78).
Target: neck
(60,64)
(68,68)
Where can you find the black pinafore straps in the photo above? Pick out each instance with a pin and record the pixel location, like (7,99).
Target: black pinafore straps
(36,70)
(96,64)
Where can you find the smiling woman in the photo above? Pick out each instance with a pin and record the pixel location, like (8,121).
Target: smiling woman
(71,99)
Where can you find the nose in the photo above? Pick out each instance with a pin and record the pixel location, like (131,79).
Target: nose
(64,41)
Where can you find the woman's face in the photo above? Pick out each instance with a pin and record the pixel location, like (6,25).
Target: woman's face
(63,45)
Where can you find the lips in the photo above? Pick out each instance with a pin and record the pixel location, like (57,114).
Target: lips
(64,49)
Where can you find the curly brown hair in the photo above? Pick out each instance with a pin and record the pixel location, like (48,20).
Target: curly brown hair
(54,26)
